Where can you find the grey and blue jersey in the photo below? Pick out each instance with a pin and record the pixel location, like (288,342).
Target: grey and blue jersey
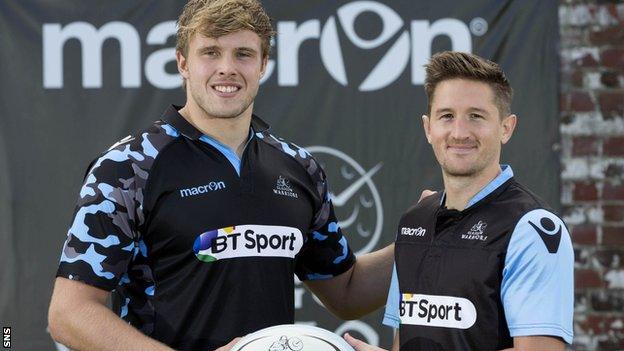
(474,279)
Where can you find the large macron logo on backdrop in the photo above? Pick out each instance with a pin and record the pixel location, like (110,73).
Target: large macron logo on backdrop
(411,41)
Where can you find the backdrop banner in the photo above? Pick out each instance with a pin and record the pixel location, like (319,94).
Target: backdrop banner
(345,80)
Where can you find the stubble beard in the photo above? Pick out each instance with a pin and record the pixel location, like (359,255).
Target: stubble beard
(472,171)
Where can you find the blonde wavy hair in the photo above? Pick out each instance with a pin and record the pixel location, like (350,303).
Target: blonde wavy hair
(215,18)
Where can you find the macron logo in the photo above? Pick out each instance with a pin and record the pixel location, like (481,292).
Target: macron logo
(420,231)
(202,189)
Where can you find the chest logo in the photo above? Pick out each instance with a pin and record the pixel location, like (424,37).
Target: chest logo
(437,311)
(202,189)
(476,232)
(283,188)
(248,241)
(420,231)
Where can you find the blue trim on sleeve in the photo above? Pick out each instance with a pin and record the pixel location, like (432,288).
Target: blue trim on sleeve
(538,285)
(391,315)
(226,151)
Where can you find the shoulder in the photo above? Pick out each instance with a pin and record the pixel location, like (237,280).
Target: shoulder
(429,203)
(134,154)
(523,198)
(295,152)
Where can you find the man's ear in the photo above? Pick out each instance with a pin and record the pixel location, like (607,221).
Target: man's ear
(426,126)
(182,64)
(509,125)
(265,62)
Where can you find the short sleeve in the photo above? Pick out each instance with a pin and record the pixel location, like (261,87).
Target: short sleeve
(101,239)
(391,315)
(326,253)
(538,278)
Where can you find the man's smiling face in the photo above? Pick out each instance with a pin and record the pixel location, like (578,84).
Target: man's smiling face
(223,74)
(465,128)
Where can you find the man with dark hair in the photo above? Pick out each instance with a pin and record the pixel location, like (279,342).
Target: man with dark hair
(485,264)
(198,223)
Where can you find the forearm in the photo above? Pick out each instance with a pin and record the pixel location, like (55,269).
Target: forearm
(537,343)
(93,326)
(360,290)
(368,285)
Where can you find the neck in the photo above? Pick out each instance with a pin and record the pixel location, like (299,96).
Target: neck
(231,132)
(459,190)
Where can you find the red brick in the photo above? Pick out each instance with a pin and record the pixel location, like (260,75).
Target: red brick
(577,101)
(587,278)
(585,191)
(613,235)
(607,36)
(613,11)
(613,58)
(584,234)
(584,146)
(613,146)
(611,103)
(614,342)
(614,171)
(613,213)
(586,61)
(576,78)
(613,191)
(608,257)
(610,79)
(609,301)
(596,323)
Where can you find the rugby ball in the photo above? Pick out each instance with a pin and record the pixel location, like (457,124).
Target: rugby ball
(292,337)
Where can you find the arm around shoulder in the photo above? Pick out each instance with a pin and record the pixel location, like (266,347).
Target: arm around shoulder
(80,319)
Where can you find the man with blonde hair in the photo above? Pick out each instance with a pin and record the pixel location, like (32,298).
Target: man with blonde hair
(485,264)
(198,223)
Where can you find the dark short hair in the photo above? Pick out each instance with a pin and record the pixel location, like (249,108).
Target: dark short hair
(452,65)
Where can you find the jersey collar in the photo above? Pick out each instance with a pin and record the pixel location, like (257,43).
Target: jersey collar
(505,174)
(175,119)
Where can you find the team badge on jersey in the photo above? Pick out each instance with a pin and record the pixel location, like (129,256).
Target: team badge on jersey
(283,188)
(476,232)
(248,241)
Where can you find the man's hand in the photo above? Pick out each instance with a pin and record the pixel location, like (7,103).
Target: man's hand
(229,345)
(360,345)
(426,193)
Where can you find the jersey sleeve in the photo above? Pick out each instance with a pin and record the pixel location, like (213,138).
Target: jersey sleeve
(391,315)
(538,277)
(326,253)
(101,239)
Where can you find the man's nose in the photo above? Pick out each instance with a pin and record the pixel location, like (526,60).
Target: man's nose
(227,66)
(459,129)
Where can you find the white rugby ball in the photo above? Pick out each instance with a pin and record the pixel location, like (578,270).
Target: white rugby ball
(292,337)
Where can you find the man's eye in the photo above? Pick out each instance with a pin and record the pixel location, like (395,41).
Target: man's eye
(447,116)
(476,116)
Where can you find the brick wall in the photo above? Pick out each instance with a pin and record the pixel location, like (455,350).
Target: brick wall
(592,155)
